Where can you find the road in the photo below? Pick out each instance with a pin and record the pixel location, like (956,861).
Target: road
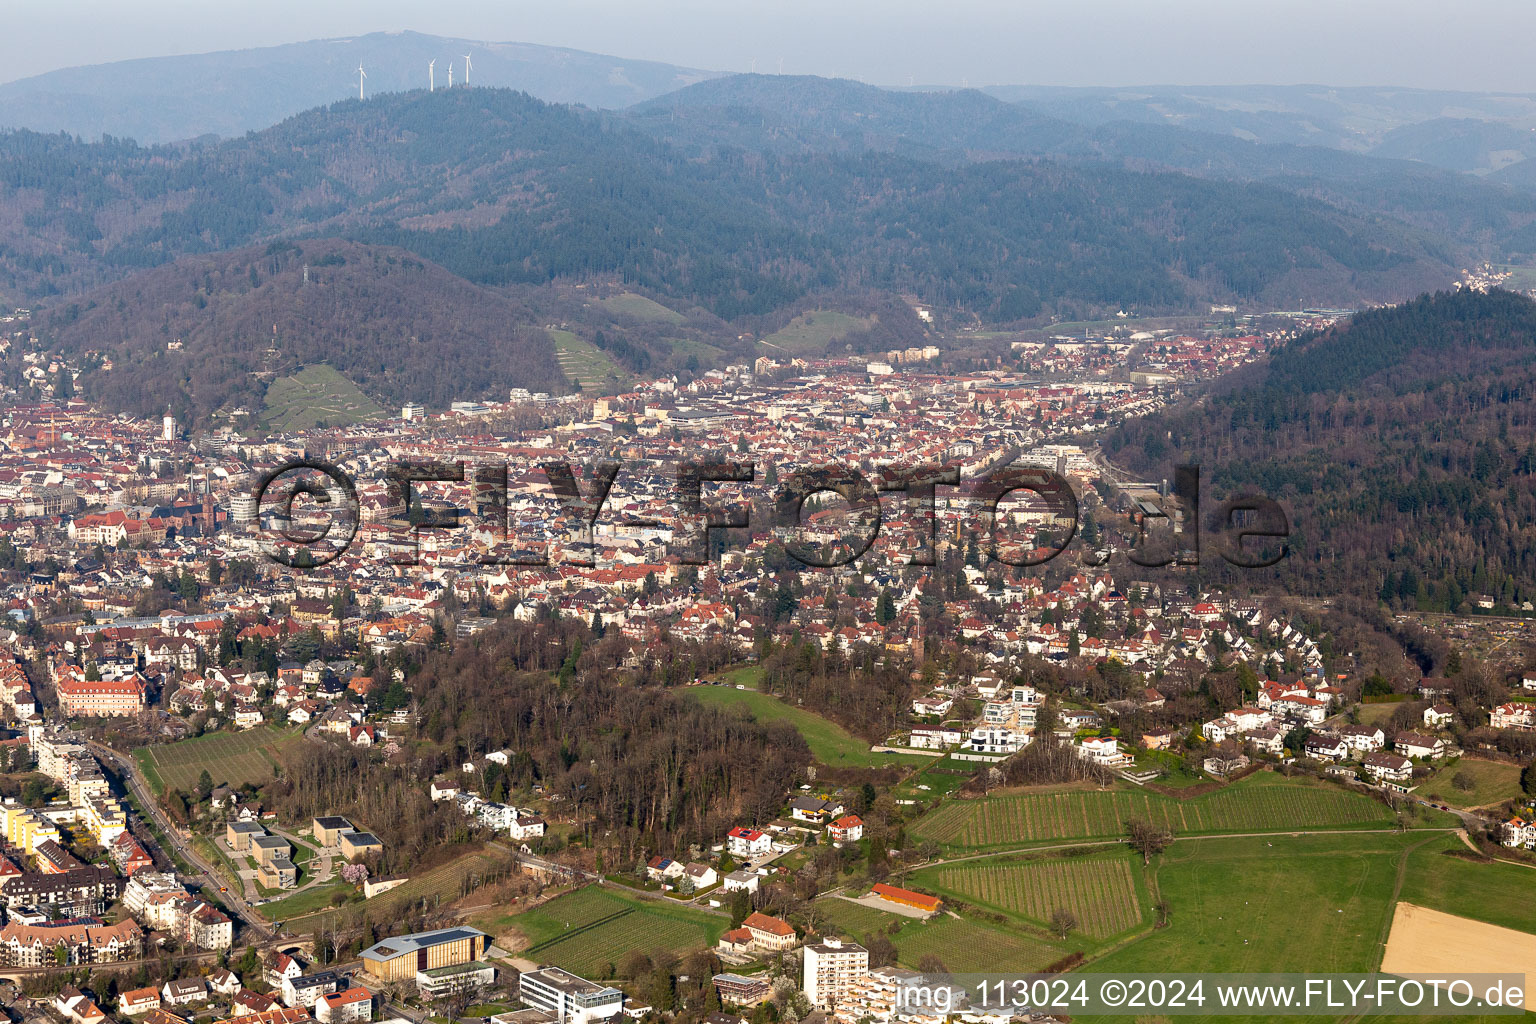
(124,765)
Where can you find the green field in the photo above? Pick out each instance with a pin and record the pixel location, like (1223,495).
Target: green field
(1493,783)
(309,901)
(231,758)
(812,331)
(1314,904)
(586,364)
(1263,802)
(1468,888)
(1521,278)
(640,308)
(706,354)
(590,930)
(963,944)
(441,885)
(830,743)
(1103,892)
(316,394)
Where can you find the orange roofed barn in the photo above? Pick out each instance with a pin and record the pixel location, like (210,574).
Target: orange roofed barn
(907,898)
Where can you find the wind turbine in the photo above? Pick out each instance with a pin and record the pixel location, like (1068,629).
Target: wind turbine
(361,74)
(466,69)
(450,74)
(431,76)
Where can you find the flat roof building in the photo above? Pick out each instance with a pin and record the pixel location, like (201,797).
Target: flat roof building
(571,999)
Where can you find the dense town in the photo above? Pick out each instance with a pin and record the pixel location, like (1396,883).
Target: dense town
(164,654)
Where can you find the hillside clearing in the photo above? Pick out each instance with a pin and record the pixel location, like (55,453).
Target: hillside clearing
(315,395)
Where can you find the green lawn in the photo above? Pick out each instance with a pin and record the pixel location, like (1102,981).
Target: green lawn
(1493,783)
(830,743)
(963,944)
(706,354)
(942,777)
(1263,802)
(230,758)
(586,364)
(1376,714)
(316,394)
(306,902)
(813,331)
(640,308)
(846,918)
(590,930)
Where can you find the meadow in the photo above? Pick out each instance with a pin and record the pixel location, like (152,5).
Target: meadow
(1441,877)
(813,331)
(963,944)
(830,743)
(1493,782)
(639,307)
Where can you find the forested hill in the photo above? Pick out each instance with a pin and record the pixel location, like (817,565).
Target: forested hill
(500,188)
(802,114)
(1403,443)
(206,333)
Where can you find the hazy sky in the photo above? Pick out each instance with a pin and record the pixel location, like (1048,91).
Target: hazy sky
(1472,44)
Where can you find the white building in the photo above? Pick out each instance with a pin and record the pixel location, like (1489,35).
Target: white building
(742,841)
(830,970)
(992,739)
(571,999)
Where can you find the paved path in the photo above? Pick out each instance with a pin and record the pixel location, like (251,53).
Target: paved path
(1015,850)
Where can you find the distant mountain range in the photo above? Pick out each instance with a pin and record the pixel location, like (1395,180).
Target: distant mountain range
(1374,120)
(789,114)
(229,93)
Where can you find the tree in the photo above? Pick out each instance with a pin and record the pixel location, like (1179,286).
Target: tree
(635,965)
(885,607)
(1528,779)
(931,964)
(882,951)
(1464,781)
(1146,838)
(1062,922)
(204,785)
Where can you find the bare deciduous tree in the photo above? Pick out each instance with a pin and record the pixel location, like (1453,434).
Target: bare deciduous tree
(1146,838)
